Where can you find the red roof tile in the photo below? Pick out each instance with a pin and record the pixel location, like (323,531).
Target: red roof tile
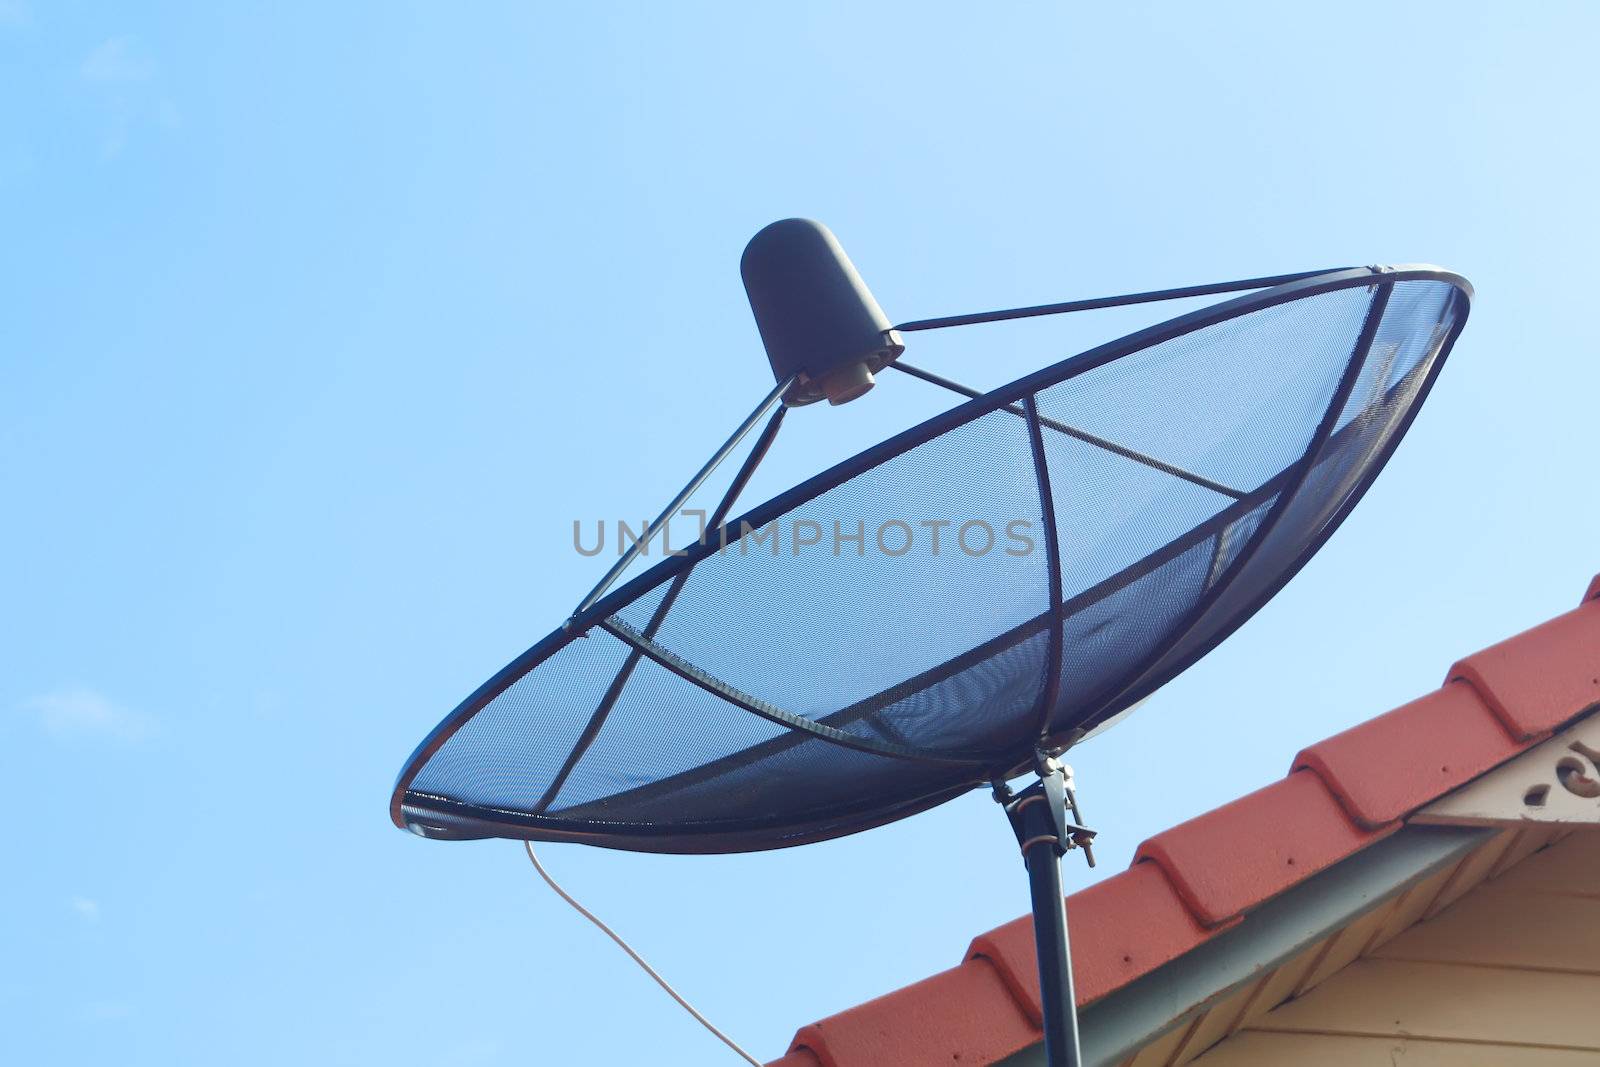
(1123,927)
(1390,766)
(1542,677)
(800,1057)
(1233,858)
(963,1015)
(1188,883)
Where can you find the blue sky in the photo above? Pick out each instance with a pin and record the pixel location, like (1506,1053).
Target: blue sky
(324,322)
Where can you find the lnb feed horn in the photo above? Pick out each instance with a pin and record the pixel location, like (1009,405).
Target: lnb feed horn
(817,318)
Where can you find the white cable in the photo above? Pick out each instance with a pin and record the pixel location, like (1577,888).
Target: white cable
(651,971)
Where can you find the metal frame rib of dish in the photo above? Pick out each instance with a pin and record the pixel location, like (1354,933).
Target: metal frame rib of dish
(481,821)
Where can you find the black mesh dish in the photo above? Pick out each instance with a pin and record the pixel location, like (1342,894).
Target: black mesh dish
(1100,524)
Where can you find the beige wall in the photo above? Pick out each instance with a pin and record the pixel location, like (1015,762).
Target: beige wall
(1507,975)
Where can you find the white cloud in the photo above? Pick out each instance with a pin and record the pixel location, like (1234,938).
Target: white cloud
(117,59)
(71,713)
(87,909)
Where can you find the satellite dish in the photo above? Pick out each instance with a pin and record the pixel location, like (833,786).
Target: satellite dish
(959,604)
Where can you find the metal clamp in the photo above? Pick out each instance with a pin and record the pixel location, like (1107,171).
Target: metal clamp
(1038,813)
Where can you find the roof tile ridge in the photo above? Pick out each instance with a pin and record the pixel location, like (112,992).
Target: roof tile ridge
(1530,699)
(984,949)
(1189,884)
(1461,674)
(1306,760)
(809,1039)
(1411,717)
(1018,975)
(838,1039)
(1158,859)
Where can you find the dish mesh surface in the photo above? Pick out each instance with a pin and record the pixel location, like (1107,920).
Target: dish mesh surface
(905,627)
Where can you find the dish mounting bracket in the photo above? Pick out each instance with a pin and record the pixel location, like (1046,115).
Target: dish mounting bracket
(1039,817)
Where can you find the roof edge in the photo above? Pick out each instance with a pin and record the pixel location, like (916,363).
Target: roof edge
(1125,1021)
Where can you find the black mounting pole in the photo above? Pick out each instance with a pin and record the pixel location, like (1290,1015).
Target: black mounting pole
(1038,815)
